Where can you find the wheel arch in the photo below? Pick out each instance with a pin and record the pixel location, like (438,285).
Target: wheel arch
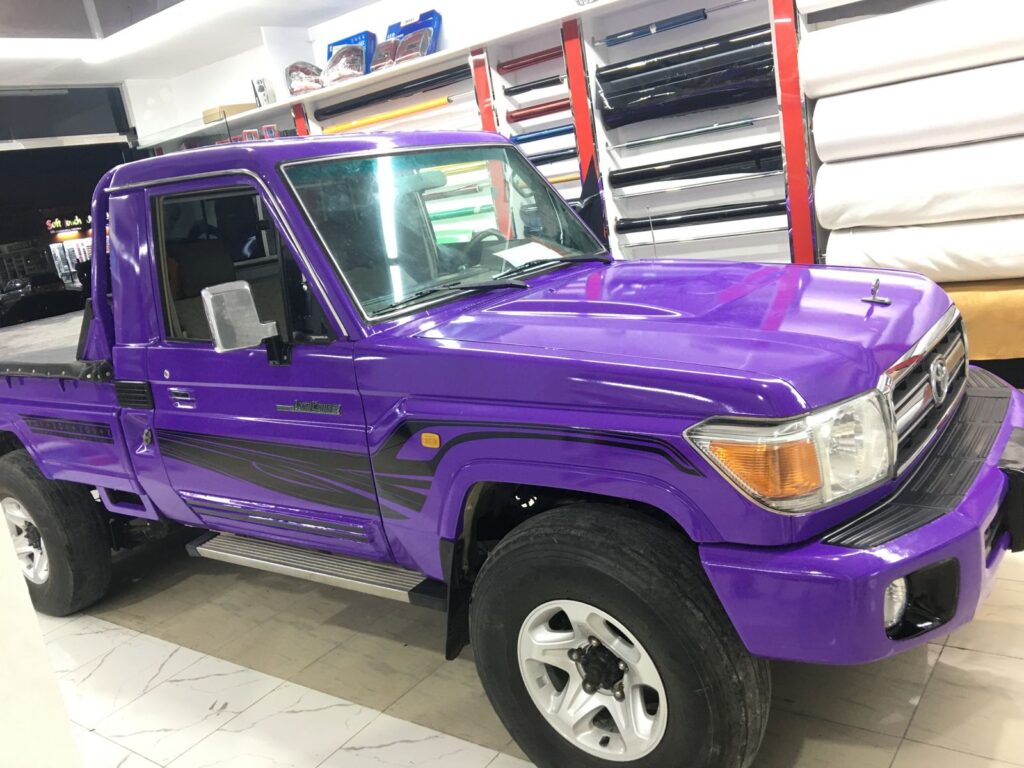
(466,496)
(10,442)
(481,510)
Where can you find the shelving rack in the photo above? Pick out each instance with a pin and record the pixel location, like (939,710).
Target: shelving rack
(566,134)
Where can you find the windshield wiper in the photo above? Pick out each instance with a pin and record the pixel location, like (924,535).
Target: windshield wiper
(528,265)
(456,285)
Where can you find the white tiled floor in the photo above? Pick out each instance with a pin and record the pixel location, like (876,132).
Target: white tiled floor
(295,676)
(139,702)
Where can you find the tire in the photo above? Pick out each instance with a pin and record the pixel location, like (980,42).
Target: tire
(648,579)
(73,532)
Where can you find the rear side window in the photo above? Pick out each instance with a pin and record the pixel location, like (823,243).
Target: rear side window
(220,236)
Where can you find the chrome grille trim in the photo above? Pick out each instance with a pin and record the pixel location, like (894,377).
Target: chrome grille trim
(910,389)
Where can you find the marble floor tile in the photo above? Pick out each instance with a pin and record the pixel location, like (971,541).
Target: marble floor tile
(796,741)
(998,626)
(77,643)
(1012,566)
(514,750)
(182,711)
(282,645)
(974,704)
(97,752)
(369,670)
(915,755)
(391,743)
(48,624)
(259,595)
(412,626)
(207,626)
(452,700)
(507,761)
(877,697)
(342,610)
(143,613)
(118,677)
(292,727)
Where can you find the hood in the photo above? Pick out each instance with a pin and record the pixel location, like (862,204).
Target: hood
(805,328)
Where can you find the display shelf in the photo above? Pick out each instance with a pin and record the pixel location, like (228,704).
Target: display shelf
(282,109)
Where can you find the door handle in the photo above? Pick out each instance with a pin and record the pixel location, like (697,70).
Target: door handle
(182,398)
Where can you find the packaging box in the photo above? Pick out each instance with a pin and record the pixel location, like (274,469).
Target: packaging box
(214,114)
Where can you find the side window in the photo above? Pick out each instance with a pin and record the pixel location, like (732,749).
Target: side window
(223,235)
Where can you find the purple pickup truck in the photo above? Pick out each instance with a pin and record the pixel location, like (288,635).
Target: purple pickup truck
(400,364)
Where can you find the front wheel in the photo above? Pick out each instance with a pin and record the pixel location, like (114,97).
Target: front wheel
(600,642)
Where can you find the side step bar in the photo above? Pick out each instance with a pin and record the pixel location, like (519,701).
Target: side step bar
(380,579)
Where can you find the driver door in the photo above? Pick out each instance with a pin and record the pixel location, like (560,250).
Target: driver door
(276,451)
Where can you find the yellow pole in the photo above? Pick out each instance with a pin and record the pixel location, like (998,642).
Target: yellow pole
(381,117)
(564,178)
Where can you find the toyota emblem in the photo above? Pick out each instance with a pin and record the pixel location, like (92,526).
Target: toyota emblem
(938,374)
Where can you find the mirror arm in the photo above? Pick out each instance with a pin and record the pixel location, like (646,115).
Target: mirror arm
(279,351)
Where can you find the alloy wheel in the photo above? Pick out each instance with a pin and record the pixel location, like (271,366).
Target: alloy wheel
(592,680)
(28,543)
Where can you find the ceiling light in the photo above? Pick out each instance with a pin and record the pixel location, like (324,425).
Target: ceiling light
(48,48)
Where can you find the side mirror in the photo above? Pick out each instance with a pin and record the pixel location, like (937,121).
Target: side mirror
(234,322)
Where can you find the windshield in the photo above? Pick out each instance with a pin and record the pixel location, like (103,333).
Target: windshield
(402,227)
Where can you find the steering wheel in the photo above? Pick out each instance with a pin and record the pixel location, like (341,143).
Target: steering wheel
(473,247)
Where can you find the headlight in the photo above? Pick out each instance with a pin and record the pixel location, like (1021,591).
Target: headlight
(805,463)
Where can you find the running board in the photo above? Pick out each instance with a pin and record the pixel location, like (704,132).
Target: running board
(380,579)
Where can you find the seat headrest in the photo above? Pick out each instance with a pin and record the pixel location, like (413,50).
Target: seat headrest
(200,263)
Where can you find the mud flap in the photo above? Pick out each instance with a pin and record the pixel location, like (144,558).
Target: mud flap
(1012,508)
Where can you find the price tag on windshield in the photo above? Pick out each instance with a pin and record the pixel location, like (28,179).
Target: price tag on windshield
(520,254)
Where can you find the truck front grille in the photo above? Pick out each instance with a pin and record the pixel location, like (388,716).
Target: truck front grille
(918,411)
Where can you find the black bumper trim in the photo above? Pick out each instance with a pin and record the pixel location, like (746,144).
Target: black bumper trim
(943,478)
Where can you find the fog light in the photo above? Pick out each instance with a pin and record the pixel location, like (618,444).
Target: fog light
(895,603)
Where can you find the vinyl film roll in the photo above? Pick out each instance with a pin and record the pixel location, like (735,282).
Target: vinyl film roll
(721,87)
(537,110)
(957,108)
(701,216)
(704,49)
(993,313)
(555,156)
(426,83)
(928,39)
(544,82)
(761,157)
(529,60)
(544,133)
(973,181)
(719,64)
(988,249)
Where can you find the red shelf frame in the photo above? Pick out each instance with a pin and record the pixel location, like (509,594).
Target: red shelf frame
(794,136)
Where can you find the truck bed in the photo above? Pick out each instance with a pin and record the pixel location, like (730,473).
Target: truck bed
(47,347)
(50,340)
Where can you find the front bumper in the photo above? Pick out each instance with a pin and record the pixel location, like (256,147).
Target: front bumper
(822,601)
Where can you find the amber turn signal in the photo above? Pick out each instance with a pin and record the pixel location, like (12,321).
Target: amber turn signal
(771,470)
(430,440)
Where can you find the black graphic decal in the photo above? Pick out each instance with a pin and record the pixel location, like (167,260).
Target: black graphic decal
(324,476)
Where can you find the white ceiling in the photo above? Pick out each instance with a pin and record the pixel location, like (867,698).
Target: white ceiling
(188,35)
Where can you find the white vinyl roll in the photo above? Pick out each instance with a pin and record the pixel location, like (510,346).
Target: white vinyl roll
(991,249)
(930,39)
(956,108)
(972,181)
(813,6)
